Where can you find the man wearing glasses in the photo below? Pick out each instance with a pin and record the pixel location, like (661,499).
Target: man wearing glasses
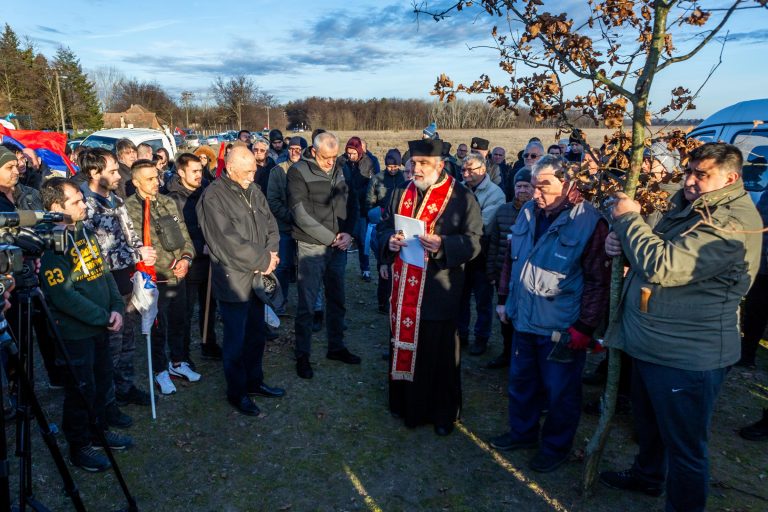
(533,153)
(490,197)
(325,211)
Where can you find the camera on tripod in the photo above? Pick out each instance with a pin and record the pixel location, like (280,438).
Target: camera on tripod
(25,235)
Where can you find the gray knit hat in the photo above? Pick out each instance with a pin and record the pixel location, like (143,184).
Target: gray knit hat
(6,156)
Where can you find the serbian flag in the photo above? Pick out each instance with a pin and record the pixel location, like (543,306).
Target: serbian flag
(50,146)
(220,159)
(147,241)
(179,131)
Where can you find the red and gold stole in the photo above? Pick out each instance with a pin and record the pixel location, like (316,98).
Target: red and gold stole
(408,281)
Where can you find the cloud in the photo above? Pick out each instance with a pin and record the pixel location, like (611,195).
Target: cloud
(753,36)
(145,27)
(51,30)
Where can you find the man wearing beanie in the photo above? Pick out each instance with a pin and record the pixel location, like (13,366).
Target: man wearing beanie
(424,376)
(358,169)
(277,152)
(378,205)
(498,250)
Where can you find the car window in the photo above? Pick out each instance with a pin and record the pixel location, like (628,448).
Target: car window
(97,141)
(754,146)
(155,143)
(705,136)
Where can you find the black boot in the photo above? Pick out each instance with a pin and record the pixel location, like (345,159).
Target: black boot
(317,321)
(502,360)
(479,347)
(757,431)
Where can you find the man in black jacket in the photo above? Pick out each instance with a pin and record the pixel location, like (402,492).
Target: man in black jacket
(325,211)
(242,238)
(185,188)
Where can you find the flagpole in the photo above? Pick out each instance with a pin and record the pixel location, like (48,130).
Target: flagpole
(151,375)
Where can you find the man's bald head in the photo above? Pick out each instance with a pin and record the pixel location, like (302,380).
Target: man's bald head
(241,165)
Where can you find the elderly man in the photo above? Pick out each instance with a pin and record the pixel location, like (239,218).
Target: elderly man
(242,239)
(461,152)
(498,251)
(424,377)
(554,287)
(277,197)
(499,158)
(490,198)
(325,211)
(479,146)
(264,163)
(679,319)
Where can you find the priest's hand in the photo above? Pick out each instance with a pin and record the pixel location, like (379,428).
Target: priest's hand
(501,310)
(431,243)
(397,241)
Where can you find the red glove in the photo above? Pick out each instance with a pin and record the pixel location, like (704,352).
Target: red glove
(579,340)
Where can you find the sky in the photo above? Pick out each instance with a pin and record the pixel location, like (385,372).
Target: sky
(363,49)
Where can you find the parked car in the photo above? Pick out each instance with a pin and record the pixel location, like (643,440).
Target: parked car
(212,140)
(192,141)
(744,124)
(107,139)
(73,143)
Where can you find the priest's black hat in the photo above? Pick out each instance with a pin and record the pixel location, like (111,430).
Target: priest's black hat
(425,147)
(478,143)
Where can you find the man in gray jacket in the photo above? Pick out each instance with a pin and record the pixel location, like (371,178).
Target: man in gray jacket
(242,239)
(679,319)
(490,197)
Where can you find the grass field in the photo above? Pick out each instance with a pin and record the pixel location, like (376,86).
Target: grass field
(331,445)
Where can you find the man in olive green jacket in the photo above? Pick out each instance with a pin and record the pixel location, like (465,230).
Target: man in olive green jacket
(170,238)
(679,319)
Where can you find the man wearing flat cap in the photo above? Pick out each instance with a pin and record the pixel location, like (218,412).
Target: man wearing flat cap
(424,374)
(480,147)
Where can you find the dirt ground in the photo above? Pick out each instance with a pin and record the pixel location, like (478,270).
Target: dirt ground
(330,444)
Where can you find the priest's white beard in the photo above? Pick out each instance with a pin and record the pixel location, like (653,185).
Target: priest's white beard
(424,183)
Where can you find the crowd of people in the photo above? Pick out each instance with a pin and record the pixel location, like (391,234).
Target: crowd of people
(516,239)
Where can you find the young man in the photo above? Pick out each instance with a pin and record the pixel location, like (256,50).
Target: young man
(108,220)
(86,306)
(185,188)
(175,251)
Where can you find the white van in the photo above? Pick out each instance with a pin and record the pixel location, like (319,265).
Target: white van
(745,125)
(106,139)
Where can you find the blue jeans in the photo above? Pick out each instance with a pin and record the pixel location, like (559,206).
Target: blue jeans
(363,250)
(531,378)
(320,267)
(243,346)
(672,409)
(286,251)
(476,282)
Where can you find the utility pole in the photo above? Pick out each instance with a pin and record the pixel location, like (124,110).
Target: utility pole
(61,103)
(239,115)
(268,126)
(186,98)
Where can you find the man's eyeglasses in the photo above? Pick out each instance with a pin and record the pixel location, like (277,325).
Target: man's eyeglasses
(498,155)
(471,169)
(530,155)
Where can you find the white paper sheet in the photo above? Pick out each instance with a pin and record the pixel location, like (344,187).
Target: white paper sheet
(413,253)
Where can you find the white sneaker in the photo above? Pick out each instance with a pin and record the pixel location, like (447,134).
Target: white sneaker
(164,381)
(183,370)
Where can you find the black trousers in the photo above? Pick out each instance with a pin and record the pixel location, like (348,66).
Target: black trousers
(755,313)
(672,409)
(197,287)
(172,327)
(92,366)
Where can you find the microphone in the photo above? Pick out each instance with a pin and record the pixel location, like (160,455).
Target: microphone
(28,218)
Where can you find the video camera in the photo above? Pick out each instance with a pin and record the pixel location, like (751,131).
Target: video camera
(24,236)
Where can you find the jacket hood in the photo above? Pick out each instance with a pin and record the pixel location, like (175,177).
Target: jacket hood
(174,185)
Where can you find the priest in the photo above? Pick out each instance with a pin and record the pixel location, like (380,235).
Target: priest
(424,364)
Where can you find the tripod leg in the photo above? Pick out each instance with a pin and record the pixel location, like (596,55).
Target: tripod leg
(91,414)
(48,437)
(5,488)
